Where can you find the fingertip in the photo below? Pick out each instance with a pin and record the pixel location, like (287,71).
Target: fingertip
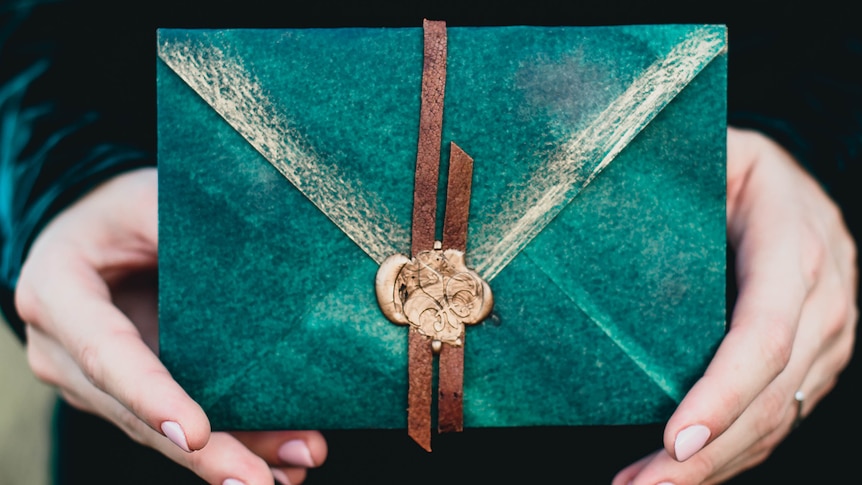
(318,447)
(191,432)
(307,450)
(281,477)
(174,432)
(689,441)
(296,453)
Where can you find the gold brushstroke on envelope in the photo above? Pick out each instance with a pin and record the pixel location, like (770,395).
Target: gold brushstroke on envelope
(222,81)
(527,210)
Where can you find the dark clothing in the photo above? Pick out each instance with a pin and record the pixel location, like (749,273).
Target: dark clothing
(77,105)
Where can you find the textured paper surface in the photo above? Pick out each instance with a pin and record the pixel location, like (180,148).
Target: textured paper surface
(598,214)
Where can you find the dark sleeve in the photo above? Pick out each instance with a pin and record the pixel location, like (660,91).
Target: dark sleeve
(64,123)
(800,84)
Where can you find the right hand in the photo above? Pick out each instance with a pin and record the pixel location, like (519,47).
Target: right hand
(88,294)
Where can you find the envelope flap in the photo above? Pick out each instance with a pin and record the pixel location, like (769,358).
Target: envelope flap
(233,71)
(596,96)
(587,93)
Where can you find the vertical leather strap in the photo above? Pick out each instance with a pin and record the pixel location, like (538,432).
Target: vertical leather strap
(450,403)
(459,184)
(419,374)
(420,355)
(430,136)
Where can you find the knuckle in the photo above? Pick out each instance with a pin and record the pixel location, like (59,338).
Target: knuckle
(89,359)
(841,311)
(773,411)
(845,352)
(813,262)
(701,465)
(42,367)
(27,303)
(777,347)
(757,457)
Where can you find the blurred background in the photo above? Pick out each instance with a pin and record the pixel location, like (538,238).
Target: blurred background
(25,417)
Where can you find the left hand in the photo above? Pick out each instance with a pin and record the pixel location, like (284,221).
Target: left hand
(88,294)
(792,329)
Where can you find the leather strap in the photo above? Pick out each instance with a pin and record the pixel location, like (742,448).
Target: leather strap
(450,402)
(458,187)
(419,372)
(421,358)
(430,136)
(420,353)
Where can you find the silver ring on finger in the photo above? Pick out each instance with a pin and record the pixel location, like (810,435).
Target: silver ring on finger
(799,397)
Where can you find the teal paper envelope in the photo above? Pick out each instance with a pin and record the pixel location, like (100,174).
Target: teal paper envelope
(286,167)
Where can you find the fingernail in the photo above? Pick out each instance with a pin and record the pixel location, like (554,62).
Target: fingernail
(665,483)
(689,441)
(174,432)
(280,476)
(296,452)
(232,481)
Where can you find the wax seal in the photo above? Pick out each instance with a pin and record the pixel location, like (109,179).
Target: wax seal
(435,293)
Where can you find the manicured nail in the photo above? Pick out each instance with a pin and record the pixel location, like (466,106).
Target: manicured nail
(175,433)
(295,452)
(280,476)
(232,481)
(665,483)
(689,441)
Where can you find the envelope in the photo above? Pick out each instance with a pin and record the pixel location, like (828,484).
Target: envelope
(286,162)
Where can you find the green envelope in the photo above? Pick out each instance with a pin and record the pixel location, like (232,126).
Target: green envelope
(286,167)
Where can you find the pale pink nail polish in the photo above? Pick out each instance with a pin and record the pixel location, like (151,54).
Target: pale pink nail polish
(689,441)
(295,452)
(175,433)
(232,481)
(280,476)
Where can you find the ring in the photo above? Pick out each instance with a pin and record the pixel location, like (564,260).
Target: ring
(800,398)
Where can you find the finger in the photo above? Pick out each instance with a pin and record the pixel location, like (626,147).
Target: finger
(745,444)
(223,458)
(303,449)
(824,373)
(289,476)
(226,461)
(627,474)
(759,429)
(111,354)
(754,351)
(772,289)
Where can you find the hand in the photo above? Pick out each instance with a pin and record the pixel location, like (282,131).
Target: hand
(792,329)
(88,294)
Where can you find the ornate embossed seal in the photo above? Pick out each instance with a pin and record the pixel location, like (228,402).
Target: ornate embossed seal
(435,293)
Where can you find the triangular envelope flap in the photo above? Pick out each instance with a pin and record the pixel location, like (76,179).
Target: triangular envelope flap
(541,110)
(252,77)
(587,99)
